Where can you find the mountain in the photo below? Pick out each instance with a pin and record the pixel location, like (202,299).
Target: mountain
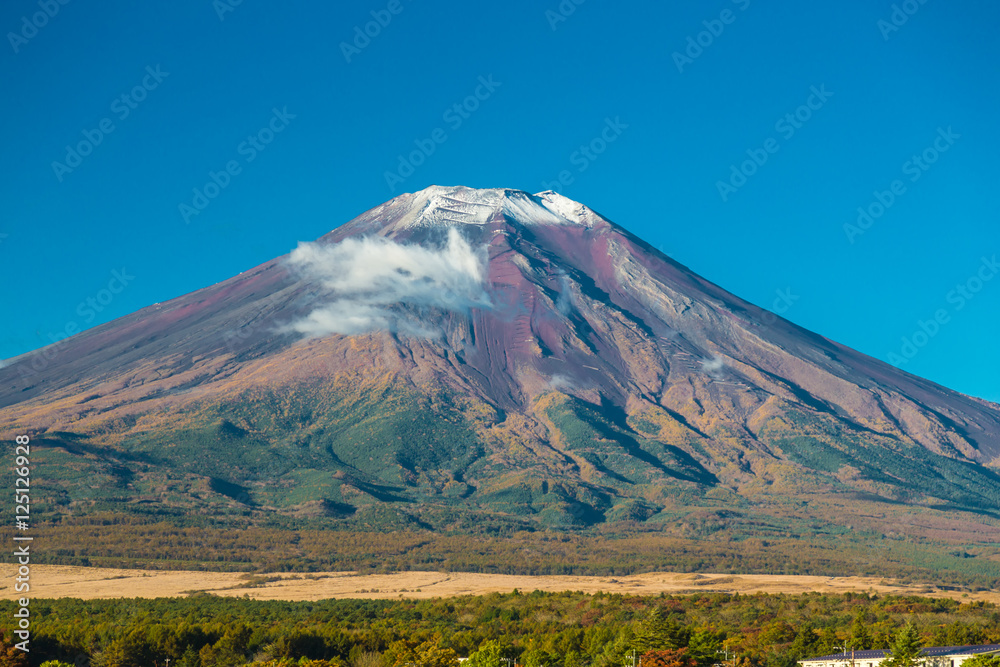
(462,361)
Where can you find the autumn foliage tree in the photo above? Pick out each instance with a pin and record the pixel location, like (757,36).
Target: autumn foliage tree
(10,655)
(670,657)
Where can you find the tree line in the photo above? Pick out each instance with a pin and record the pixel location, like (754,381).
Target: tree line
(535,629)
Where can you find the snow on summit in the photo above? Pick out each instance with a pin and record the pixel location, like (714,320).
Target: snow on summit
(565,207)
(459,205)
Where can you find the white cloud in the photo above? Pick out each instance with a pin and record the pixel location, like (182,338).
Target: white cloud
(713,365)
(562,383)
(370,279)
(565,303)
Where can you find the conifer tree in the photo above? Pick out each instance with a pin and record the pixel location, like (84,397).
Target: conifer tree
(905,650)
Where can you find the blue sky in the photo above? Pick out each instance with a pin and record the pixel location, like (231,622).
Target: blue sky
(684,95)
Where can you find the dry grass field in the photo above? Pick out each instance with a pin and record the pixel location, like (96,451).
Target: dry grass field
(58,581)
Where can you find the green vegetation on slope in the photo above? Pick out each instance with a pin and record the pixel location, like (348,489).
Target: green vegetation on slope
(238,484)
(538,629)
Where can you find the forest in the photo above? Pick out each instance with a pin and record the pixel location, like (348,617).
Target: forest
(531,629)
(309,545)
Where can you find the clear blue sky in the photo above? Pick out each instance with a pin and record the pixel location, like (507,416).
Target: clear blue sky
(557,85)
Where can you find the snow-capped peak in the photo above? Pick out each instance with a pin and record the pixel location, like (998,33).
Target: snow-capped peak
(470,206)
(566,208)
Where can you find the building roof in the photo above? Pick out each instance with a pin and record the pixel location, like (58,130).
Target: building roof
(931,651)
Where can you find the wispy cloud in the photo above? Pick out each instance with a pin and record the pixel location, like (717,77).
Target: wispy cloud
(565,303)
(562,383)
(376,284)
(713,365)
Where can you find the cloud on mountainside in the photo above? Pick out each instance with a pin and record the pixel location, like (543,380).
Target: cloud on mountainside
(562,383)
(713,365)
(369,278)
(565,303)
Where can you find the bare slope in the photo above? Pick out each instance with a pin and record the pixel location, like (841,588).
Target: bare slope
(490,360)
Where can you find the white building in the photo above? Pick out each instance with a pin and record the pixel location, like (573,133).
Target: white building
(937,656)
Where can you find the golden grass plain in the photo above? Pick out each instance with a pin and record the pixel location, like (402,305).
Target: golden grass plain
(63,581)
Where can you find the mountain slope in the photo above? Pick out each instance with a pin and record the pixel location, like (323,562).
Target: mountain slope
(470,360)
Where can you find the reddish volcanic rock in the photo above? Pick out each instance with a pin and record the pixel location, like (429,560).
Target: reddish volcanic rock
(566,302)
